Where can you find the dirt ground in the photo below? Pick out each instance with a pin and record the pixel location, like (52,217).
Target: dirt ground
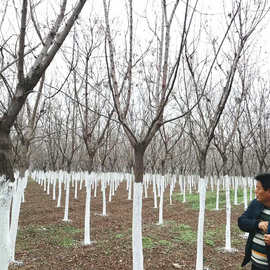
(45,241)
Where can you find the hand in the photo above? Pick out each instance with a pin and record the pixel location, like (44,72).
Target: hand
(267,239)
(263,225)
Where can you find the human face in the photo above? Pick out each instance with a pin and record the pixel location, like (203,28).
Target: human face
(262,195)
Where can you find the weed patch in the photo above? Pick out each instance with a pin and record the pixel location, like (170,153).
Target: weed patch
(210,203)
(56,235)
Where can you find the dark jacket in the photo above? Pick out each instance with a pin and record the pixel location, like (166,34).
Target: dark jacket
(248,222)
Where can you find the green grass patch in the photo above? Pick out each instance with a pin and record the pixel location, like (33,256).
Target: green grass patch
(119,235)
(61,235)
(165,243)
(151,242)
(211,197)
(184,233)
(148,242)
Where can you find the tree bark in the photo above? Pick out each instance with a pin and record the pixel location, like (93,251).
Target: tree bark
(139,150)
(6,168)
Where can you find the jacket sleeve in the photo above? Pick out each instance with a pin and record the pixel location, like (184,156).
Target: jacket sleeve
(249,220)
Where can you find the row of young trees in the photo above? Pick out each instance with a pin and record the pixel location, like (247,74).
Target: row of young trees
(154,88)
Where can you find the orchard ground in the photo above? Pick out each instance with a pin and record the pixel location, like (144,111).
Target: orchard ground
(46,242)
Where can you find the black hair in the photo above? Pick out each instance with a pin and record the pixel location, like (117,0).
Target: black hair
(264,178)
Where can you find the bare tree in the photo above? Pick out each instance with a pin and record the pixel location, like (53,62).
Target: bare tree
(26,130)
(170,137)
(210,109)
(141,87)
(26,81)
(67,139)
(258,119)
(94,111)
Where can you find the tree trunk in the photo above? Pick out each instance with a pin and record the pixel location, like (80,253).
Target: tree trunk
(6,176)
(6,169)
(5,202)
(139,151)
(163,166)
(225,165)
(202,191)
(24,158)
(202,163)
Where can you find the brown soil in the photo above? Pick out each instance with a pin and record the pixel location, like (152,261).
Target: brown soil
(46,242)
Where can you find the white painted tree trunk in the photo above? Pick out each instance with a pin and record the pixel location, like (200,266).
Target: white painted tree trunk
(87,218)
(59,192)
(245,194)
(217,196)
(113,187)
(145,189)
(54,188)
(228,245)
(5,202)
(76,189)
(104,210)
(48,184)
(171,191)
(212,183)
(44,184)
(110,192)
(155,192)
(202,194)
(137,247)
(160,216)
(250,189)
(67,199)
(81,181)
(96,185)
(16,206)
(190,184)
(184,189)
(235,191)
